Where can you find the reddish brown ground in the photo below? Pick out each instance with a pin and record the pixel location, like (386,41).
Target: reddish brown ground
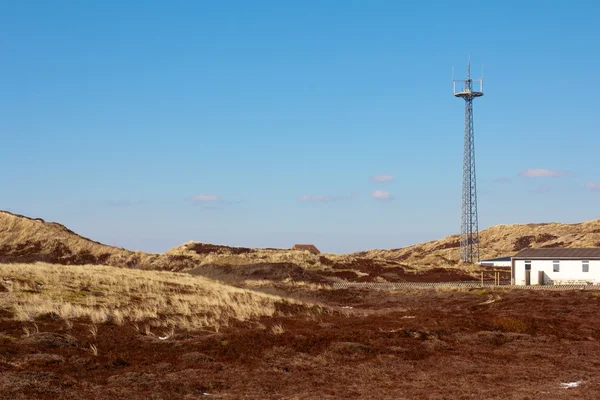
(413,345)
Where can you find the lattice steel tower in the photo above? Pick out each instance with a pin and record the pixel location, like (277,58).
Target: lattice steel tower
(469,227)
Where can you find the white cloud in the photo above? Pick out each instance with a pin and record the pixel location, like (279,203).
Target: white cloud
(381,195)
(206,198)
(593,186)
(383,178)
(541,172)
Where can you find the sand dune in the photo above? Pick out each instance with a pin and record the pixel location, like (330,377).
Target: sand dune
(26,240)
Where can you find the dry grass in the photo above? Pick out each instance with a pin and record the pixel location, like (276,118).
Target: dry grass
(25,238)
(107,294)
(286,284)
(277,329)
(239,256)
(28,240)
(497,241)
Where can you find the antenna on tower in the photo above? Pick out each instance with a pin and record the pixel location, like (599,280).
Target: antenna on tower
(469,68)
(469,229)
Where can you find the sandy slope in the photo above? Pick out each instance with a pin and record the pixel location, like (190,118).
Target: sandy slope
(497,241)
(24,239)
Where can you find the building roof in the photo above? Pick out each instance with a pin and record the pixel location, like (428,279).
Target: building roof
(557,253)
(310,247)
(507,258)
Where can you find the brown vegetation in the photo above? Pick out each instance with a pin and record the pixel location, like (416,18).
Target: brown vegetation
(468,344)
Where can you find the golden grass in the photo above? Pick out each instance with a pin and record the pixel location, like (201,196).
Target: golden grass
(286,284)
(49,241)
(228,256)
(53,242)
(108,294)
(496,241)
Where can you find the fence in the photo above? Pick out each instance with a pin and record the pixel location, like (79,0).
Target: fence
(459,284)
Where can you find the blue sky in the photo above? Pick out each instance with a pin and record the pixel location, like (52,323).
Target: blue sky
(269,123)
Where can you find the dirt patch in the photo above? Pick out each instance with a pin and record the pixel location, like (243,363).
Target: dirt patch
(553,245)
(345,275)
(204,248)
(523,242)
(132,379)
(545,237)
(44,359)
(50,340)
(455,244)
(195,357)
(348,348)
(262,271)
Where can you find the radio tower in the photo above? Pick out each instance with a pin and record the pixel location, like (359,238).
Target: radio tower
(469,227)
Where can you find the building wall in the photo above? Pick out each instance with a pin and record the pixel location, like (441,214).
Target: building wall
(569,270)
(495,264)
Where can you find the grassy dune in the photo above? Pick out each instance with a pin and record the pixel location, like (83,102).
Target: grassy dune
(117,295)
(496,241)
(27,240)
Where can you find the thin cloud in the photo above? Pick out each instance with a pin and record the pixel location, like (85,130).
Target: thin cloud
(124,203)
(542,172)
(502,180)
(206,198)
(381,195)
(383,178)
(316,198)
(593,186)
(325,198)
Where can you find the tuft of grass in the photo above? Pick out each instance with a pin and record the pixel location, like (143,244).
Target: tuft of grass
(277,329)
(27,331)
(118,296)
(94,330)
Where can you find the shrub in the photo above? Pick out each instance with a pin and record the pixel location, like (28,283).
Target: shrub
(507,324)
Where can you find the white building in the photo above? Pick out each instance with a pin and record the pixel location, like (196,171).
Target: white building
(496,262)
(556,266)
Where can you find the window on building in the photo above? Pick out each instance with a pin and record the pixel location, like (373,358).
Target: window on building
(585,266)
(527,265)
(556,266)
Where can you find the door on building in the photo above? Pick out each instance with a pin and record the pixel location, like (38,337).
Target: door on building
(541,277)
(528,272)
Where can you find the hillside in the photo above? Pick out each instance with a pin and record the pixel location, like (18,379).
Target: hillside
(158,299)
(27,240)
(496,241)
